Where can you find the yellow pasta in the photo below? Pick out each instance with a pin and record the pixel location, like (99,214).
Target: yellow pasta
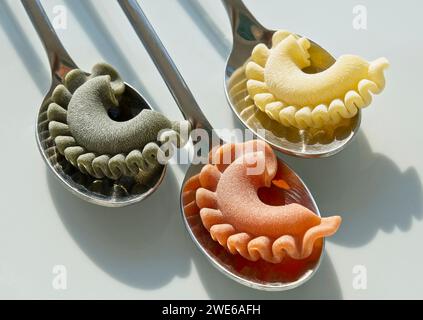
(280,88)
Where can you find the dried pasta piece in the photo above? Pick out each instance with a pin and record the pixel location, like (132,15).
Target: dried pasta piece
(280,88)
(95,143)
(226,195)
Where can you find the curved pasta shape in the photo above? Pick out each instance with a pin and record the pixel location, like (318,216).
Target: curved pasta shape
(96,144)
(280,88)
(239,220)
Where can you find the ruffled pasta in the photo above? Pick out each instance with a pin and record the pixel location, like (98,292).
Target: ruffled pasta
(235,216)
(280,88)
(97,145)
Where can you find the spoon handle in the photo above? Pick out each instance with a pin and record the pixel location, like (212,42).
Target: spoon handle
(60,61)
(240,16)
(169,72)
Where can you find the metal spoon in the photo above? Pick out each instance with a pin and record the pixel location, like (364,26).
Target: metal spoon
(247,33)
(103,192)
(222,260)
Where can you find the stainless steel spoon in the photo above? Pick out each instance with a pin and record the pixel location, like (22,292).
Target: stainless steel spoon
(222,260)
(247,33)
(103,192)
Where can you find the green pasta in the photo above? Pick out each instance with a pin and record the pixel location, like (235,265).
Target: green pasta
(96,144)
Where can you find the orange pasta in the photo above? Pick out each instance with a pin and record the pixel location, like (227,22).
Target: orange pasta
(227,193)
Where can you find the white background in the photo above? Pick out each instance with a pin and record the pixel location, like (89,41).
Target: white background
(144,251)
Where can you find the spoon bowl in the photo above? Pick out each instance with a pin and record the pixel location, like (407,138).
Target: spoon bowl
(247,33)
(216,254)
(242,271)
(105,192)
